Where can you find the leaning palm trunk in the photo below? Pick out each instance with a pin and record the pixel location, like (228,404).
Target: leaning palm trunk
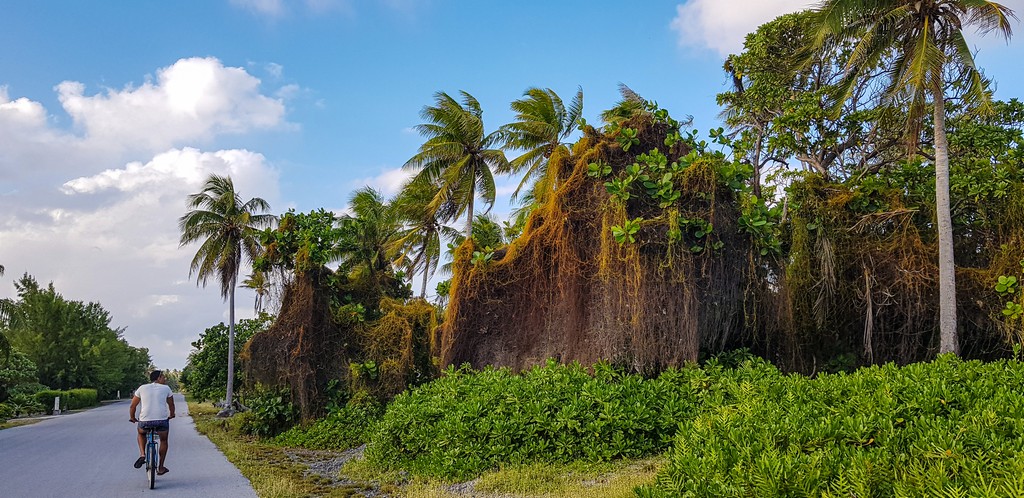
(948,342)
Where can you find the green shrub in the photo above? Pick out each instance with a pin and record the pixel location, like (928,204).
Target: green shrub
(73,399)
(270,412)
(945,428)
(23,404)
(81,398)
(467,422)
(45,400)
(30,388)
(6,412)
(347,427)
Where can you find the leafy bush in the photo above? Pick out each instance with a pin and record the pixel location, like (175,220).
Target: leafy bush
(6,412)
(45,397)
(73,399)
(23,404)
(346,427)
(467,422)
(81,398)
(945,428)
(270,412)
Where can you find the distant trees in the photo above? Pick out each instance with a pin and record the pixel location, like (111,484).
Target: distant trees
(227,230)
(207,371)
(70,342)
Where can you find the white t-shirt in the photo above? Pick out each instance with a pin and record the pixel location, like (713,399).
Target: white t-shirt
(154,402)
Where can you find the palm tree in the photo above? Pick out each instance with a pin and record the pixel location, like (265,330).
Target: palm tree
(227,229)
(542,124)
(258,282)
(927,39)
(368,235)
(458,155)
(419,245)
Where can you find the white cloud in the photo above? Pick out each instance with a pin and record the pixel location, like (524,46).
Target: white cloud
(721,25)
(271,8)
(189,101)
(388,182)
(275,9)
(95,210)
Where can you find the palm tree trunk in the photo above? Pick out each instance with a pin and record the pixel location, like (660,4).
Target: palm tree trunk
(231,347)
(469,213)
(948,341)
(423,290)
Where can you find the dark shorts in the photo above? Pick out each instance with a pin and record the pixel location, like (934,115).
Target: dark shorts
(159,425)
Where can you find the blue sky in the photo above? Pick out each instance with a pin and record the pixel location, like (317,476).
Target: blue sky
(111,113)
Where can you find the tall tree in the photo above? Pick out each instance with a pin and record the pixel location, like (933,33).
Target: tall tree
(927,39)
(542,124)
(227,229)
(419,247)
(5,345)
(458,154)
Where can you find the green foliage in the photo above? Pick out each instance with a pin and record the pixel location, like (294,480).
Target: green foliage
(624,233)
(71,343)
(270,411)
(343,428)
(300,242)
(466,421)
(367,369)
(205,376)
(627,138)
(598,169)
(351,313)
(45,399)
(1013,310)
(926,429)
(25,404)
(482,257)
(16,372)
(6,412)
(1006,285)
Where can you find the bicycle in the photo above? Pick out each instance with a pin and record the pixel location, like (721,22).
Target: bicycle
(152,455)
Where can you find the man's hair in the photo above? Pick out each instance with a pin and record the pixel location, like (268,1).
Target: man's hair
(155,374)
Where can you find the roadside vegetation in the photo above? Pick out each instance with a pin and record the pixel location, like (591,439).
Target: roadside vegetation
(734,426)
(821,298)
(51,346)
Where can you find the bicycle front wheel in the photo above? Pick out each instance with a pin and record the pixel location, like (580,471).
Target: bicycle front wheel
(151,459)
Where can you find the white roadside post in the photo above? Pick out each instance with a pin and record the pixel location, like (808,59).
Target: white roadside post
(56,405)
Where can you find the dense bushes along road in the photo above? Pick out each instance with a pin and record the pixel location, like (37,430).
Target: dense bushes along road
(948,426)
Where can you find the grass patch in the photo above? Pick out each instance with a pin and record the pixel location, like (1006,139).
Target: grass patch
(268,467)
(18,422)
(539,480)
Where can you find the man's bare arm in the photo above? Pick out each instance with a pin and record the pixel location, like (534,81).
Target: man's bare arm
(170,405)
(131,409)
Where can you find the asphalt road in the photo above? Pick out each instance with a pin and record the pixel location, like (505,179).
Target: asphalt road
(90,454)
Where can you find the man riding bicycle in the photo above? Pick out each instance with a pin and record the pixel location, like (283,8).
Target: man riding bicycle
(157,410)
